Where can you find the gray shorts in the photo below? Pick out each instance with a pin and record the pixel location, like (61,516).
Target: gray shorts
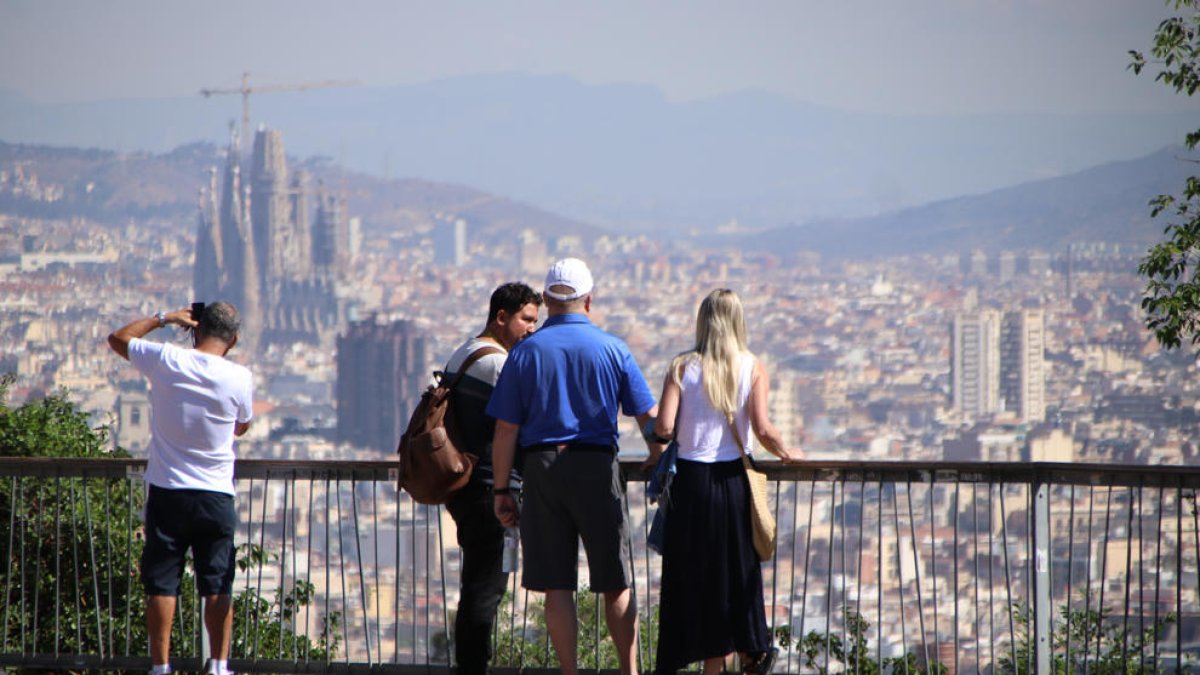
(570,496)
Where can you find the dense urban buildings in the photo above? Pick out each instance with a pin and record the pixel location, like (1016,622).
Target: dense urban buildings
(865,355)
(1008,356)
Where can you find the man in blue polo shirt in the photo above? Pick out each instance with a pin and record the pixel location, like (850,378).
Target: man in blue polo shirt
(557,400)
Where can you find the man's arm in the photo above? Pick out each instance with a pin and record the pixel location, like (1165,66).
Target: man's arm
(636,395)
(120,338)
(647,417)
(504,450)
(241,428)
(645,421)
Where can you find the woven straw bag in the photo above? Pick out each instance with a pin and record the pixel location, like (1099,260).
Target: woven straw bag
(762,520)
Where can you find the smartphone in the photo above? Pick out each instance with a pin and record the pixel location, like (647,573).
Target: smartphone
(197,310)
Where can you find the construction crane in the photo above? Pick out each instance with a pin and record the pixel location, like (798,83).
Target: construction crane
(245,90)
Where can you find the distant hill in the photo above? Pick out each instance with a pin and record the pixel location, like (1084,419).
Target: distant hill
(1106,203)
(106,186)
(111,187)
(624,155)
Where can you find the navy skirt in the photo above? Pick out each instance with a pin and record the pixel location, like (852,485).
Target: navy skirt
(712,596)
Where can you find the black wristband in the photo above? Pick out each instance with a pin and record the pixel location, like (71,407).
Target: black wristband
(659,439)
(503,491)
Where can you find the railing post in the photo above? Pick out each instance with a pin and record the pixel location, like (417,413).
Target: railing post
(1042,605)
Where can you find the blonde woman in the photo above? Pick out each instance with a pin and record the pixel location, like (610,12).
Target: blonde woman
(712,597)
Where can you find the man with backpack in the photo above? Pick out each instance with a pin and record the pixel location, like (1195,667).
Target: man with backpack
(512,315)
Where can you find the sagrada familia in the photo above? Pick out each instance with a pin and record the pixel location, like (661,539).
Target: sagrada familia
(258,247)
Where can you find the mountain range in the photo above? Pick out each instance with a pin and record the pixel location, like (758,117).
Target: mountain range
(624,156)
(1107,203)
(118,187)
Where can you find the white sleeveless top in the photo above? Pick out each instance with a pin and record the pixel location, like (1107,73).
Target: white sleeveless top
(702,432)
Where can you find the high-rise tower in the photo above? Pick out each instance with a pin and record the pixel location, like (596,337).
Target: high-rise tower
(975,363)
(997,364)
(1022,359)
(450,242)
(381,373)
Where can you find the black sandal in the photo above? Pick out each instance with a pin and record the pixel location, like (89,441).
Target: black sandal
(761,663)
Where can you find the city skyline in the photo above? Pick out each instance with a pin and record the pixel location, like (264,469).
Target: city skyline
(357,292)
(255,240)
(858,352)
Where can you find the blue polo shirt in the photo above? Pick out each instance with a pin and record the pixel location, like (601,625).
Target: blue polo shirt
(565,382)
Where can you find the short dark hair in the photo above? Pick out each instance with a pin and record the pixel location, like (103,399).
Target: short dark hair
(220,320)
(511,297)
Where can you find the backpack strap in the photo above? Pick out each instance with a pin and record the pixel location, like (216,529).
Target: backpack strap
(470,361)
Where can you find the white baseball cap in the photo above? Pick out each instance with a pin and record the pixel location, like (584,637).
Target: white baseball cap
(572,273)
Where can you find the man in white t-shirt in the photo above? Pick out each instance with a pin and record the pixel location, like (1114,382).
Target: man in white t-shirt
(199,401)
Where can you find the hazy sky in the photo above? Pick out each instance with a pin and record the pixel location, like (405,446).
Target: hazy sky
(897,56)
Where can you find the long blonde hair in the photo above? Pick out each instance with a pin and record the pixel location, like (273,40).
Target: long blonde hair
(720,339)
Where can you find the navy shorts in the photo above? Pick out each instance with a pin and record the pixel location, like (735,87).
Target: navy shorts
(177,520)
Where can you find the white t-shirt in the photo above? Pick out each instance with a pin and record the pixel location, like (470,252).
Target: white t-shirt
(486,368)
(196,399)
(703,433)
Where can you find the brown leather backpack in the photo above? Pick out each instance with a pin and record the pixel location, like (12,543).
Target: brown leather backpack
(432,467)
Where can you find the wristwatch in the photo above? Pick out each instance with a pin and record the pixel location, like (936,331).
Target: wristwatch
(162,318)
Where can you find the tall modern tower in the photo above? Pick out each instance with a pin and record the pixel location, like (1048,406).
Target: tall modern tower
(382,369)
(450,242)
(975,363)
(532,254)
(997,364)
(1022,359)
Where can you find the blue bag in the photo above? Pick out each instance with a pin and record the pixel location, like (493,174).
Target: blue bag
(659,490)
(664,472)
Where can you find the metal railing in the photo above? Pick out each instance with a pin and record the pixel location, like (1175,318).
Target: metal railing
(1030,568)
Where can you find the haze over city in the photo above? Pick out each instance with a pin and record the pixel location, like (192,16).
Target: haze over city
(633,116)
(933,211)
